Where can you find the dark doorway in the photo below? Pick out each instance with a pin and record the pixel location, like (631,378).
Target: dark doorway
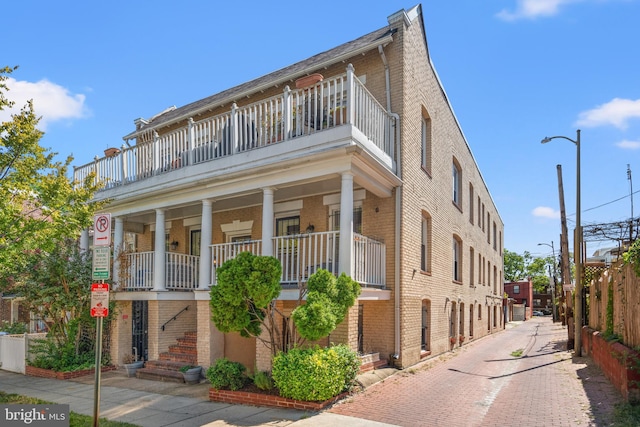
(140,329)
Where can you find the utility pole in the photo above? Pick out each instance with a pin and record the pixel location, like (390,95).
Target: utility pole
(566,268)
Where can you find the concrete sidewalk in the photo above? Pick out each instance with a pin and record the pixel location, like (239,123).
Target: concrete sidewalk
(149,403)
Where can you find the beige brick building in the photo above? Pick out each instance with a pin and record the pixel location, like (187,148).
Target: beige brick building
(352,161)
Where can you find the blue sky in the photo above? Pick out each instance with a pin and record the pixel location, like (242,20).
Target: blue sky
(515,71)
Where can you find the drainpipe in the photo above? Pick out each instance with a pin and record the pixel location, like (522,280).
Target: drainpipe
(396,273)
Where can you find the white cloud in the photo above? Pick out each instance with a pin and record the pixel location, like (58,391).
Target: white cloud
(629,145)
(50,101)
(616,112)
(546,212)
(531,9)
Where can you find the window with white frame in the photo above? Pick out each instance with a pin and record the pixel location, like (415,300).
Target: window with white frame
(457,259)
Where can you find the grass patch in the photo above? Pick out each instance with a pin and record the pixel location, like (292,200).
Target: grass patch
(517,353)
(75,419)
(626,415)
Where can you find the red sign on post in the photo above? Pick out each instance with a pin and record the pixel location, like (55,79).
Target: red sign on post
(99,300)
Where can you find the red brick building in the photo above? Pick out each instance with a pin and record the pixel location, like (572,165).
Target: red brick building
(522,293)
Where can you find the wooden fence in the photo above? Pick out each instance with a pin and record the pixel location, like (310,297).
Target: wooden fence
(620,283)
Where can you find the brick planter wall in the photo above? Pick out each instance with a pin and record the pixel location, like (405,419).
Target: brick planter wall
(32,371)
(257,399)
(616,361)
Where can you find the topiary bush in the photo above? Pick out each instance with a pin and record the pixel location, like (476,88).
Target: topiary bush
(315,374)
(227,374)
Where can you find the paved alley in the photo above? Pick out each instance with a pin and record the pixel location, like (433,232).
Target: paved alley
(482,384)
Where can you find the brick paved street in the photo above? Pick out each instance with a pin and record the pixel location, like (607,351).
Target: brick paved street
(481,384)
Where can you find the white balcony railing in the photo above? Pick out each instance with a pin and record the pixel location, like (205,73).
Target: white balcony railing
(300,256)
(181,271)
(296,113)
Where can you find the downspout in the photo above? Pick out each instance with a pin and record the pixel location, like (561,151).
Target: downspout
(396,273)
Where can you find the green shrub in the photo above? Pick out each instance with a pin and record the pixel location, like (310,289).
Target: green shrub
(227,374)
(263,380)
(315,374)
(13,328)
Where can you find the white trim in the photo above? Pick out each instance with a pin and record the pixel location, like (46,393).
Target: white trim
(190,222)
(334,199)
(167,226)
(294,205)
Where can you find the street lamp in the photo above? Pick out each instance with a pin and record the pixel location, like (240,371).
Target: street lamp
(577,311)
(553,288)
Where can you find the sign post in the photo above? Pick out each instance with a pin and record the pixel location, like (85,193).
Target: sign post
(100,294)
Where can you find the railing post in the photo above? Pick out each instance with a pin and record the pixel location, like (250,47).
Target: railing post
(234,128)
(287,112)
(156,152)
(350,94)
(96,179)
(123,164)
(191,141)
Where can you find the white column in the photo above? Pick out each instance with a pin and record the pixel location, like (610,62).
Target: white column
(159,254)
(118,246)
(84,240)
(267,221)
(346,224)
(205,242)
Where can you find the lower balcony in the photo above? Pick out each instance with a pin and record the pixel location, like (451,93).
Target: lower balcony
(300,256)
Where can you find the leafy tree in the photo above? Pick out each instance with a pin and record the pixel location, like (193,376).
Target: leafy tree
(243,298)
(244,301)
(40,205)
(328,301)
(514,266)
(522,267)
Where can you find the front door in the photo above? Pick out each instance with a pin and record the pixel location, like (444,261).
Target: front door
(140,329)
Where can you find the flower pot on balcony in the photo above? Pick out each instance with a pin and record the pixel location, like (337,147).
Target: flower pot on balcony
(309,80)
(112,151)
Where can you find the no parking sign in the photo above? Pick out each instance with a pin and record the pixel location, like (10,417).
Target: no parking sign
(99,300)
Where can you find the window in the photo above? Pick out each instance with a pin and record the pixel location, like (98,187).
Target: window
(488,230)
(426,142)
(470,320)
(457,184)
(471,267)
(425,338)
(479,214)
(357,219)
(480,269)
(483,217)
(287,226)
(425,253)
(516,289)
(495,280)
(495,236)
(194,243)
(471,197)
(457,259)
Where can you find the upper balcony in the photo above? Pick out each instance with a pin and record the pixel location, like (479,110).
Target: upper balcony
(295,114)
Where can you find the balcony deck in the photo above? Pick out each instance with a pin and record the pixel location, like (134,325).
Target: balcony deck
(337,101)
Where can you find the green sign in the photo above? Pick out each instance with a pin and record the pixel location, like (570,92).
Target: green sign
(101,263)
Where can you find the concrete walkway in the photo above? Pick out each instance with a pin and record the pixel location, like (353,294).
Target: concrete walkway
(481,384)
(149,403)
